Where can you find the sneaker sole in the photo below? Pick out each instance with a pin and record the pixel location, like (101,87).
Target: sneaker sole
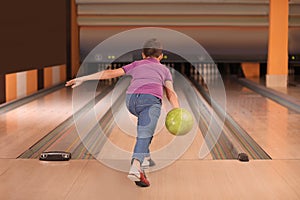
(141,184)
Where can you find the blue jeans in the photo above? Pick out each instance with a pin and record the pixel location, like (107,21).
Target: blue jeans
(147,109)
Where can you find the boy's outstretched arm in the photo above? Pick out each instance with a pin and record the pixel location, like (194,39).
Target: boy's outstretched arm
(171,94)
(106,74)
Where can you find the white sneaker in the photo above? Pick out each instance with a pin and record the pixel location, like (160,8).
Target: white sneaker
(148,162)
(137,176)
(134,173)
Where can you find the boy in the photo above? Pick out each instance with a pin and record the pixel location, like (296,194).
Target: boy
(143,99)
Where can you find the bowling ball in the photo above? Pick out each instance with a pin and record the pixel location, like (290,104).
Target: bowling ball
(179,121)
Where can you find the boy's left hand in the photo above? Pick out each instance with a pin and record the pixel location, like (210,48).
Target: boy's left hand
(74,82)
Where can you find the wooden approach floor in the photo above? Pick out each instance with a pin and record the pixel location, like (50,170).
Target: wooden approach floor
(274,127)
(185,179)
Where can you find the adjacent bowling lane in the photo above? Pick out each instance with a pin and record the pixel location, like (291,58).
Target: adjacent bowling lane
(274,127)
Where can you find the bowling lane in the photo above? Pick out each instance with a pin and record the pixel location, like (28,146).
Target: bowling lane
(118,125)
(117,150)
(292,90)
(272,126)
(22,127)
(120,128)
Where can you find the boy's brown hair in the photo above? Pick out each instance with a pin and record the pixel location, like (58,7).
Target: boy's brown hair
(152,48)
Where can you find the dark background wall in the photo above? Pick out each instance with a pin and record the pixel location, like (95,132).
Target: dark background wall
(33,34)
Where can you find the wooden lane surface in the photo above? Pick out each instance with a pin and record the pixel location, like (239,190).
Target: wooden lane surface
(71,138)
(272,126)
(291,90)
(24,126)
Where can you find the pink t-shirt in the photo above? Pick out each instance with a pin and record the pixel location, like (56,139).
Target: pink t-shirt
(148,77)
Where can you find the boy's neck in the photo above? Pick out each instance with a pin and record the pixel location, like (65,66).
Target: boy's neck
(149,57)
